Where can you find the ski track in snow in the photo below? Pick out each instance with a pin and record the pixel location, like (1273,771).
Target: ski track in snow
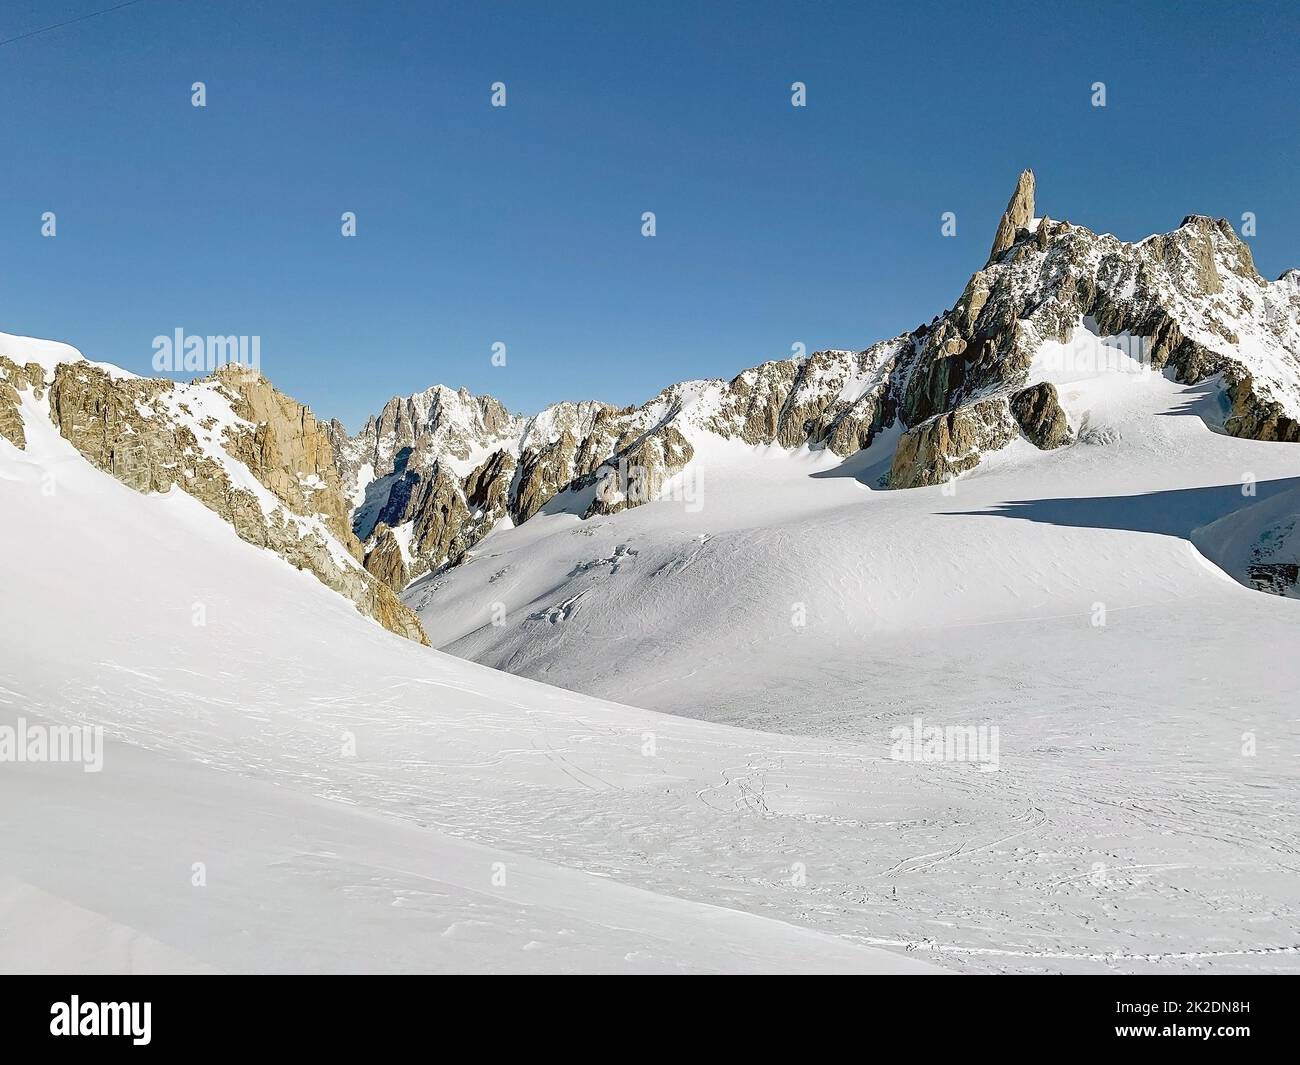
(351,793)
(1125,830)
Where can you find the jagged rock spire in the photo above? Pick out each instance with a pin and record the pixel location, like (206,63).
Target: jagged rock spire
(1020,209)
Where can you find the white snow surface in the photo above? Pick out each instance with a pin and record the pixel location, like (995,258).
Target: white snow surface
(483,823)
(1055,595)
(1125,830)
(49,353)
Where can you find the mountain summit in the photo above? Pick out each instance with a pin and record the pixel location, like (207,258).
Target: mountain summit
(432,474)
(435,472)
(1017,216)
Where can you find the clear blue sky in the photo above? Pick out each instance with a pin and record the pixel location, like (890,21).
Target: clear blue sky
(522,224)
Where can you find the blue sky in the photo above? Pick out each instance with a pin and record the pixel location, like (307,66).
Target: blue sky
(522,224)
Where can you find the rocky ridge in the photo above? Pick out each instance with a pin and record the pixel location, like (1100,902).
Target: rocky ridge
(256,458)
(432,474)
(967,383)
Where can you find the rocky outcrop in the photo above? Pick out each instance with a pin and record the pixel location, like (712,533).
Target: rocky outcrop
(638,475)
(288,451)
(1188,302)
(543,473)
(438,424)
(1275,578)
(1041,418)
(15,379)
(1017,216)
(487,489)
(385,561)
(755,402)
(1256,417)
(122,426)
(950,444)
(440,513)
(448,515)
(153,435)
(832,399)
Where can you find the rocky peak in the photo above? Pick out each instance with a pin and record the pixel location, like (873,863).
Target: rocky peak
(431,474)
(1017,216)
(287,450)
(957,388)
(438,423)
(1192,298)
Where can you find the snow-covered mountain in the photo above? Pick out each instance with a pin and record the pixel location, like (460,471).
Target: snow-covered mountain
(436,472)
(1045,517)
(253,456)
(286,787)
(1103,489)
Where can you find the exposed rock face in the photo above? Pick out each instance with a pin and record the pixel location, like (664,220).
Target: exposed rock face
(1256,417)
(453,464)
(288,452)
(432,425)
(427,480)
(639,473)
(447,516)
(385,561)
(487,488)
(830,399)
(834,399)
(15,379)
(1189,302)
(950,444)
(543,474)
(104,418)
(1019,212)
(153,435)
(1275,578)
(440,513)
(1038,410)
(968,382)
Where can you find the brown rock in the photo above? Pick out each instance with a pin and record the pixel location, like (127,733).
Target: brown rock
(15,379)
(440,513)
(289,451)
(543,474)
(950,444)
(384,561)
(1255,417)
(122,426)
(1042,420)
(1020,209)
(639,474)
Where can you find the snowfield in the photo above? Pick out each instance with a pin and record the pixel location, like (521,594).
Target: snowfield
(288,787)
(1145,812)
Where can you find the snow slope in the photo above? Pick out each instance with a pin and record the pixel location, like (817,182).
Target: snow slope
(1055,595)
(1257,544)
(349,800)
(355,799)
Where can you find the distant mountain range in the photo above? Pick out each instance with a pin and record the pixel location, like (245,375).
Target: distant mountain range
(434,473)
